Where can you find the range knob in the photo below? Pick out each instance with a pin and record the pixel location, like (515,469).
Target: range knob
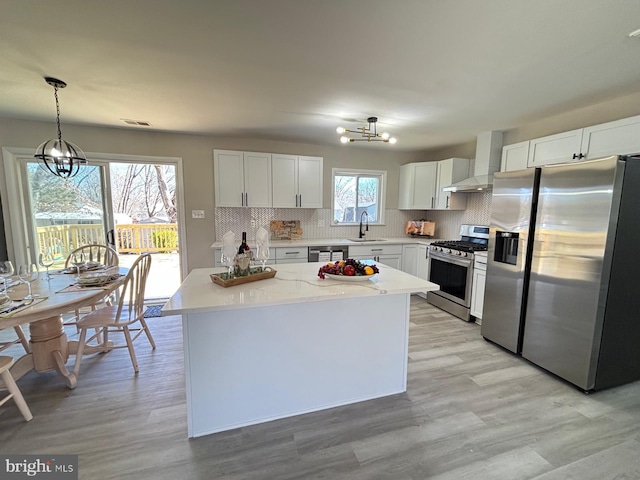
(449,251)
(458,252)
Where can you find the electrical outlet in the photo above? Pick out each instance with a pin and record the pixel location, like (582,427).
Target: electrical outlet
(197,213)
(253,223)
(321,223)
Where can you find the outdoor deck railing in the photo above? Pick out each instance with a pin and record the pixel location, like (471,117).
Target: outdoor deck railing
(130,238)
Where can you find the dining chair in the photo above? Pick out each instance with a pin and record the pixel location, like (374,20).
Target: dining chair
(103,254)
(129,311)
(20,338)
(14,391)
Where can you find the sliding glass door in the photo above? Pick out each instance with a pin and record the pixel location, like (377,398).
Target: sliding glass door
(63,214)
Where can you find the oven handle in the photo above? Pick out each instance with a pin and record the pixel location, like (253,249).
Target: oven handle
(463,262)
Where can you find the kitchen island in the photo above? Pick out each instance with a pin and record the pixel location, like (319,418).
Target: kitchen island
(291,344)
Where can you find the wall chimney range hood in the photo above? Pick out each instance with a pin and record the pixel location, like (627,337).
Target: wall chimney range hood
(488,155)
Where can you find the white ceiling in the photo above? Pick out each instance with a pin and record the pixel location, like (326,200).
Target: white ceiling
(435,72)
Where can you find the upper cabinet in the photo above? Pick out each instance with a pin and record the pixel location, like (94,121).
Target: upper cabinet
(514,157)
(297,181)
(451,171)
(559,148)
(418,186)
(242,179)
(612,138)
(421,185)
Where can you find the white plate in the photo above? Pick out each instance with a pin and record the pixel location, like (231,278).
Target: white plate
(346,278)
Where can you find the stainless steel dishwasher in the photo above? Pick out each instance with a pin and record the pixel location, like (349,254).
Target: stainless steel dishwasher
(328,253)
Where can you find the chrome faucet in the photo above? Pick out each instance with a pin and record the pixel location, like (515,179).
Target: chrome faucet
(360,232)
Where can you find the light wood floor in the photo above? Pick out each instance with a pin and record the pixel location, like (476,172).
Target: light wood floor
(472,411)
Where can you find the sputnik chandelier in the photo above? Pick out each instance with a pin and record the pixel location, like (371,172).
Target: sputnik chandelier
(58,156)
(367,134)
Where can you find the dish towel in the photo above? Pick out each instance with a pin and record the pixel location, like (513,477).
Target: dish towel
(262,244)
(229,247)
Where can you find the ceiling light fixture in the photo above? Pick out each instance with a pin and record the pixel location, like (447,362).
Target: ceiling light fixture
(58,156)
(367,134)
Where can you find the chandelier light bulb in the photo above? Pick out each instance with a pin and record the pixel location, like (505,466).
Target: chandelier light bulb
(385,136)
(393,140)
(344,139)
(340,130)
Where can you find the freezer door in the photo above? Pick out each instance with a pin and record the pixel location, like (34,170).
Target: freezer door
(513,201)
(563,322)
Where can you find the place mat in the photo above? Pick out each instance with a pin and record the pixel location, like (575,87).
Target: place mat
(36,301)
(74,287)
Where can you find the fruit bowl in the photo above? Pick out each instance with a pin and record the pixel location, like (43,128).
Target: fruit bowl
(349,270)
(344,278)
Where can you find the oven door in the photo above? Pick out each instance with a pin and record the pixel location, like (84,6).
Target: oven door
(454,275)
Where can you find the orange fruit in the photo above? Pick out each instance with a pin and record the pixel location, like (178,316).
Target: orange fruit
(368,271)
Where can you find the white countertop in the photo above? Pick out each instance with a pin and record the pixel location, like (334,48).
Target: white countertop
(318,242)
(293,283)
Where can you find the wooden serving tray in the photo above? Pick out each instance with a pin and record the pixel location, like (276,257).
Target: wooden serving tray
(220,279)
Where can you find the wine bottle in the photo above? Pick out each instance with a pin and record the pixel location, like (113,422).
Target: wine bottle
(244,248)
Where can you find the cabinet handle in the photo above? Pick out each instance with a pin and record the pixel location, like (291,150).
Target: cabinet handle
(242,199)
(432,200)
(246,199)
(376,249)
(301,200)
(296,199)
(291,253)
(578,156)
(447,202)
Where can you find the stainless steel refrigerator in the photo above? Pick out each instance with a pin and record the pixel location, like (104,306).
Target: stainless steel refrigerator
(563,267)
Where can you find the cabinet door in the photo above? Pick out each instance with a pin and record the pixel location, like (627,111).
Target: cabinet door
(410,259)
(477,292)
(228,178)
(514,157)
(613,138)
(451,171)
(284,174)
(559,148)
(418,186)
(422,268)
(257,179)
(310,182)
(394,261)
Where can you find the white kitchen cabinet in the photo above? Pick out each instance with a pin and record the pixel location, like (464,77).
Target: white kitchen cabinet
(514,157)
(390,255)
(418,186)
(422,266)
(451,171)
(410,259)
(297,181)
(242,179)
(478,285)
(611,138)
(559,148)
(421,185)
(291,255)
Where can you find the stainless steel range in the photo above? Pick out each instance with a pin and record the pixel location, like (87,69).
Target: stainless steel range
(451,267)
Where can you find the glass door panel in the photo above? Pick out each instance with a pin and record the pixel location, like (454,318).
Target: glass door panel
(66,213)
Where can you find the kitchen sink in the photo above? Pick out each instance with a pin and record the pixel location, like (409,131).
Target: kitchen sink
(365,239)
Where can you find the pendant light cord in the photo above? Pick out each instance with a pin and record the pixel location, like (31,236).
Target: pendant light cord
(55,90)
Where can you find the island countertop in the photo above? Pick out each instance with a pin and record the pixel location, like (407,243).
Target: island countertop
(293,283)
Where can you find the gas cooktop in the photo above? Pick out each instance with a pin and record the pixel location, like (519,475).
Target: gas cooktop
(462,245)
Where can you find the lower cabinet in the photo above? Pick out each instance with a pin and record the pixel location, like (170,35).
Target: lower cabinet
(291,255)
(390,255)
(410,259)
(477,290)
(422,265)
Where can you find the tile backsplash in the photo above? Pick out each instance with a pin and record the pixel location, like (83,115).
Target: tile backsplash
(316,223)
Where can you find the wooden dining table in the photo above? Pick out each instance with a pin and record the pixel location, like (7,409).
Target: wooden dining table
(50,348)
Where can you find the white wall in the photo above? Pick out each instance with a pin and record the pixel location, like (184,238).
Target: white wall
(197,154)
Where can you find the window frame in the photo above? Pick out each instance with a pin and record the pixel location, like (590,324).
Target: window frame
(358,172)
